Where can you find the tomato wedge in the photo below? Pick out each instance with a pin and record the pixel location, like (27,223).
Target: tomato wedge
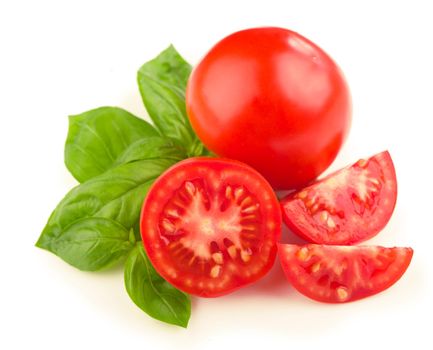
(346,207)
(210,226)
(338,274)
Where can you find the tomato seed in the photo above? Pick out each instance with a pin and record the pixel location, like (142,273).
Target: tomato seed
(215,271)
(316,267)
(218,258)
(249,209)
(229,192)
(324,216)
(190,188)
(342,293)
(173,213)
(314,208)
(375,181)
(238,193)
(303,254)
(232,251)
(302,195)
(168,226)
(249,228)
(245,256)
(331,223)
(248,217)
(309,203)
(246,201)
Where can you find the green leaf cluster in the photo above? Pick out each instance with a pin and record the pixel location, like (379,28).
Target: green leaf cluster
(116,156)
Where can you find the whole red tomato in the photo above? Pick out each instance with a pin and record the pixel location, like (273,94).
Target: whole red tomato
(272,99)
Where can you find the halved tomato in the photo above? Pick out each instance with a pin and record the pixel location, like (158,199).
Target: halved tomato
(210,226)
(337,274)
(346,207)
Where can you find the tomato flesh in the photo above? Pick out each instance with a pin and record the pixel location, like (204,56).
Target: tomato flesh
(273,99)
(348,206)
(338,274)
(210,226)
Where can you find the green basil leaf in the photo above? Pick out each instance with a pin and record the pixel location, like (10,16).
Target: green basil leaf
(151,293)
(151,148)
(91,244)
(162,82)
(117,195)
(98,137)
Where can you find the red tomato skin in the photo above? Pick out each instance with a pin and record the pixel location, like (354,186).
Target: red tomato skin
(153,246)
(298,220)
(273,99)
(307,289)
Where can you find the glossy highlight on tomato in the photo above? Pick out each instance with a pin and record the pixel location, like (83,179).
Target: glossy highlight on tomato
(210,226)
(346,207)
(273,99)
(338,274)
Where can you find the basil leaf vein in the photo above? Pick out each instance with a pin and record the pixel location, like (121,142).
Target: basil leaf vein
(91,243)
(116,195)
(162,82)
(98,137)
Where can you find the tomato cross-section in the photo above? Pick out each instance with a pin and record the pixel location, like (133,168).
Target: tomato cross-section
(210,226)
(346,207)
(338,274)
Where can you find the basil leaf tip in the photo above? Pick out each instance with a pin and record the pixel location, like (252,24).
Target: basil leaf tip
(162,83)
(151,293)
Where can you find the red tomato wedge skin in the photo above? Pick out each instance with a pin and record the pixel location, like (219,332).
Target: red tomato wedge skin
(346,207)
(211,225)
(339,274)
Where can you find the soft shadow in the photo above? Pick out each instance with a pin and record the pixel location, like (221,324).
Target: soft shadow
(273,284)
(288,237)
(113,270)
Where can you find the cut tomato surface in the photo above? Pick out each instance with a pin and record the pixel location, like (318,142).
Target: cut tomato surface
(346,207)
(210,226)
(337,274)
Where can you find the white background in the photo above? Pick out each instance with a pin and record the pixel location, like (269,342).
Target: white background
(63,58)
